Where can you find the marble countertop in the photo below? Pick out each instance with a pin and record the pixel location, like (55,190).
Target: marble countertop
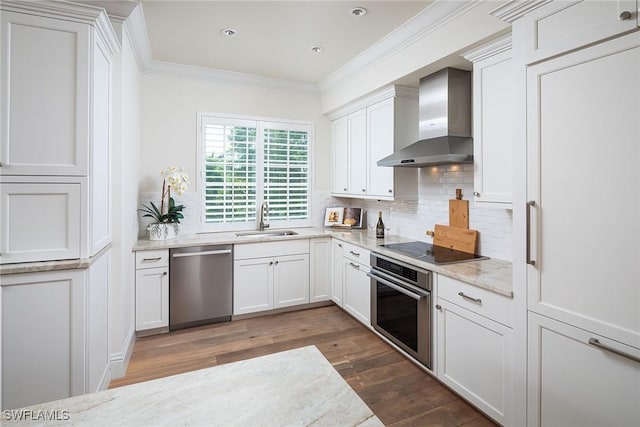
(492,274)
(292,388)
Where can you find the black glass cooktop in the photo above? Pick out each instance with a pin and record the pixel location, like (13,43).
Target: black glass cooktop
(430,253)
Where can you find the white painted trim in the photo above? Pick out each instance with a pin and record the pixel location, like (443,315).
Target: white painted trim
(373,98)
(515,9)
(438,14)
(488,50)
(119,362)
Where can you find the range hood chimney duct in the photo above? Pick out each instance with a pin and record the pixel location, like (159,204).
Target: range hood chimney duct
(444,123)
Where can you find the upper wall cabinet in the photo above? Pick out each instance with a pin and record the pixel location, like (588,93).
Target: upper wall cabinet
(493,116)
(560,27)
(367,131)
(55,122)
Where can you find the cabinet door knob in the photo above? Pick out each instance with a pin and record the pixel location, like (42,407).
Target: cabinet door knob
(344,189)
(475,193)
(625,15)
(438,307)
(277,262)
(164,273)
(363,190)
(1,165)
(271,263)
(390,191)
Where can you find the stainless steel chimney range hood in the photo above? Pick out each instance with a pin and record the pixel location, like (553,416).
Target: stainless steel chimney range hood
(444,123)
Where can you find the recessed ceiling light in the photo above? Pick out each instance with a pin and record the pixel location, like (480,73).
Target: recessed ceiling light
(317,49)
(358,11)
(229,32)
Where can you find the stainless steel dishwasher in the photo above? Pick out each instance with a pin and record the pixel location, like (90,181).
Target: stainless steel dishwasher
(200,285)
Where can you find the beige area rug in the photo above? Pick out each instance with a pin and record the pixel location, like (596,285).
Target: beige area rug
(292,388)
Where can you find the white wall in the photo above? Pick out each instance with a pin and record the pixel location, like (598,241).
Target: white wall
(169,129)
(126,160)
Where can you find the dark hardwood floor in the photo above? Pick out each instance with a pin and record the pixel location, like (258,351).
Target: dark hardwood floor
(396,390)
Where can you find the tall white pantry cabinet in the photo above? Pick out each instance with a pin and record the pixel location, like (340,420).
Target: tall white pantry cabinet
(55,174)
(577,211)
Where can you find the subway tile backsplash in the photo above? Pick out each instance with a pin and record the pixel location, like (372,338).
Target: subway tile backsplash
(410,219)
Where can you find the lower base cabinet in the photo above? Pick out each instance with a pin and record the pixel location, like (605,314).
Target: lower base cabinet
(152,290)
(55,334)
(263,282)
(574,383)
(475,359)
(357,291)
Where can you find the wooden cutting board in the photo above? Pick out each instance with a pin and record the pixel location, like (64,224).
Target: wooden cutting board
(461,239)
(459,211)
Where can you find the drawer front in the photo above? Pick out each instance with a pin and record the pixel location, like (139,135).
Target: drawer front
(270,249)
(152,259)
(355,253)
(485,303)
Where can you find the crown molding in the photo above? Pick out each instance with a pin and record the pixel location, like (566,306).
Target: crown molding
(436,15)
(136,29)
(494,47)
(515,9)
(226,77)
(76,12)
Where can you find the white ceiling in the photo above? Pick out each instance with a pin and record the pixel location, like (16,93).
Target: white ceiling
(274,38)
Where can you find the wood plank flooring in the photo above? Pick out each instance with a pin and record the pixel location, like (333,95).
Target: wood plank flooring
(396,390)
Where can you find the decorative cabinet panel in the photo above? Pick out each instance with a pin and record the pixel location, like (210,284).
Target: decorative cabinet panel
(337,285)
(493,117)
(562,26)
(571,273)
(40,221)
(45,106)
(364,133)
(573,381)
(320,271)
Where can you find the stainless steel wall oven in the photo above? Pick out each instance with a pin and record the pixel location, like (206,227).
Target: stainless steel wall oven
(401,305)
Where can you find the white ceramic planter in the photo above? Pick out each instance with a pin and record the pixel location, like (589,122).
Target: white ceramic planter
(163,231)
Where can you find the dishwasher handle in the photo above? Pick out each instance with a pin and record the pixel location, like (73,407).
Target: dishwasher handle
(202,253)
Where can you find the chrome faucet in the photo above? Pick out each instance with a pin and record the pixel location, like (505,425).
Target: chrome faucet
(264,210)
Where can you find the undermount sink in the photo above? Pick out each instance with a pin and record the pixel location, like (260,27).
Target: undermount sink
(269,233)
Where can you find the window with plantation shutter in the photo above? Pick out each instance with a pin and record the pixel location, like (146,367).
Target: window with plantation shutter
(245,163)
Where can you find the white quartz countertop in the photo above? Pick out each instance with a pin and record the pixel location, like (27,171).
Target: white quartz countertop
(292,388)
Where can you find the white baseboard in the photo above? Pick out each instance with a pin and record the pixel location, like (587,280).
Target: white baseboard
(119,362)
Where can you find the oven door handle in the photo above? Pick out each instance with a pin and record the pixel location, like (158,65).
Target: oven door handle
(400,289)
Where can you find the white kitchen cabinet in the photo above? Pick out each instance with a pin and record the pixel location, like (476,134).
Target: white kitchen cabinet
(357,152)
(475,359)
(55,333)
(340,156)
(563,26)
(152,290)
(262,282)
(337,285)
(40,221)
(367,131)
(357,291)
(356,285)
(56,115)
(493,117)
(582,175)
(572,382)
(320,271)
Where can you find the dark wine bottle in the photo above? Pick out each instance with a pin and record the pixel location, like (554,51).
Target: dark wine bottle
(380,227)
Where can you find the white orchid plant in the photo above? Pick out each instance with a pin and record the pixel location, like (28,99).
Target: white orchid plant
(176,179)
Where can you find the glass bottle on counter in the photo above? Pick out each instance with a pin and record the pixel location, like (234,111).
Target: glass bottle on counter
(380,227)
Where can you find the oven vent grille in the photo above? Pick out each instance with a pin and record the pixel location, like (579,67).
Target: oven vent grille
(407,273)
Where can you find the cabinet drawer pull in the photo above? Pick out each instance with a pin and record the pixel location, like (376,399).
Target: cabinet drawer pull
(472,299)
(151,259)
(354,265)
(354,253)
(594,342)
